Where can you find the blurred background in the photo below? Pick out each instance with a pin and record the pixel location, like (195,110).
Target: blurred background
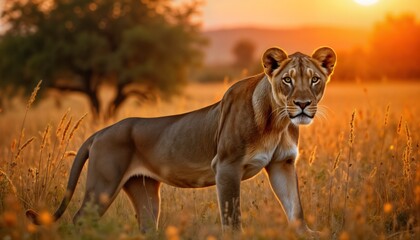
(149,49)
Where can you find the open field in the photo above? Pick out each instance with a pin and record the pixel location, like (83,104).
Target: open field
(356,182)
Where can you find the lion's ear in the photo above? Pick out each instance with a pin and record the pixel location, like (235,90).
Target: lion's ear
(326,57)
(271,60)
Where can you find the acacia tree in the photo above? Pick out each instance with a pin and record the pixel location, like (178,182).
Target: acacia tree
(395,47)
(244,53)
(78,45)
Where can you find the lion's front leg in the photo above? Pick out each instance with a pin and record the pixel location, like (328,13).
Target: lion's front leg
(284,183)
(228,181)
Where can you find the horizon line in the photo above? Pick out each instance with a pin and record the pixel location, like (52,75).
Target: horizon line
(281,27)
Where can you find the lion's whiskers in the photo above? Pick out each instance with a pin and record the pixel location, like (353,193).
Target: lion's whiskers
(325,109)
(322,113)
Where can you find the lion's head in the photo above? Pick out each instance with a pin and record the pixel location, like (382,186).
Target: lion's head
(298,81)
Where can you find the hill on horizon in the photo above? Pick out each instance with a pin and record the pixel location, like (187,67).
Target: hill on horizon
(304,39)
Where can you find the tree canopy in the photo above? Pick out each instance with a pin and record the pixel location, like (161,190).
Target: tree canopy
(395,47)
(77,45)
(244,51)
(392,52)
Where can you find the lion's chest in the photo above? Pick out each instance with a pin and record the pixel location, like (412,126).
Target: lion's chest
(274,148)
(259,155)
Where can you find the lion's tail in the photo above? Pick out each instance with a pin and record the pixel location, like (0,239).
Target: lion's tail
(76,169)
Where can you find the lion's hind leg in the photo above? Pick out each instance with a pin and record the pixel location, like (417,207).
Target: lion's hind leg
(145,196)
(98,197)
(106,172)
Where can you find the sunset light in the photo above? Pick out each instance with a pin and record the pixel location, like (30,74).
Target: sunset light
(289,14)
(366,2)
(205,119)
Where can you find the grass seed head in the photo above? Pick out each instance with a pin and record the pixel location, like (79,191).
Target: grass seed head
(407,154)
(44,137)
(66,129)
(60,125)
(386,116)
(407,132)
(312,156)
(351,135)
(23,147)
(76,126)
(33,95)
(399,125)
(337,160)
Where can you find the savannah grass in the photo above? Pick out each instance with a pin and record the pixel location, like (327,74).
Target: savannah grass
(330,166)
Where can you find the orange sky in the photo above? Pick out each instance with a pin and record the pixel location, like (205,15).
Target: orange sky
(292,13)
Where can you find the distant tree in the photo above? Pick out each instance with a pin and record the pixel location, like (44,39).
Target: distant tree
(395,47)
(78,45)
(353,64)
(244,51)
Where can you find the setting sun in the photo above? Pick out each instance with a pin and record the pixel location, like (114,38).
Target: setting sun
(366,2)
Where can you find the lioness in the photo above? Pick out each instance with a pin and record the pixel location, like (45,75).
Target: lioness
(255,126)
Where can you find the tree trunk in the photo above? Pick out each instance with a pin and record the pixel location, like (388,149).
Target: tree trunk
(91,88)
(95,105)
(121,96)
(113,106)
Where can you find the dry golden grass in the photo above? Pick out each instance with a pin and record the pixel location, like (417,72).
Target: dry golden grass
(358,171)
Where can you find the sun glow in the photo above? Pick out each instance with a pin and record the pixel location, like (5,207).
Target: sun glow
(366,2)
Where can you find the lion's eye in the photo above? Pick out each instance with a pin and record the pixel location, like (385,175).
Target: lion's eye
(287,80)
(315,80)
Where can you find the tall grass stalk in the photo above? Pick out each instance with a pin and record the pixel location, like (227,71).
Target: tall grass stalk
(64,135)
(407,165)
(17,145)
(349,164)
(38,184)
(28,106)
(330,196)
(50,157)
(396,153)
(383,193)
(60,158)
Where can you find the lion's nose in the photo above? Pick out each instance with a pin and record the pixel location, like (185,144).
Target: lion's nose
(302,104)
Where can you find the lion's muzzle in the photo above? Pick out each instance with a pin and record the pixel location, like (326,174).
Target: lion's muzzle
(302,113)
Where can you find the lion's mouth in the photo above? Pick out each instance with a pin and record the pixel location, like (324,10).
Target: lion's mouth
(302,114)
(301,118)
